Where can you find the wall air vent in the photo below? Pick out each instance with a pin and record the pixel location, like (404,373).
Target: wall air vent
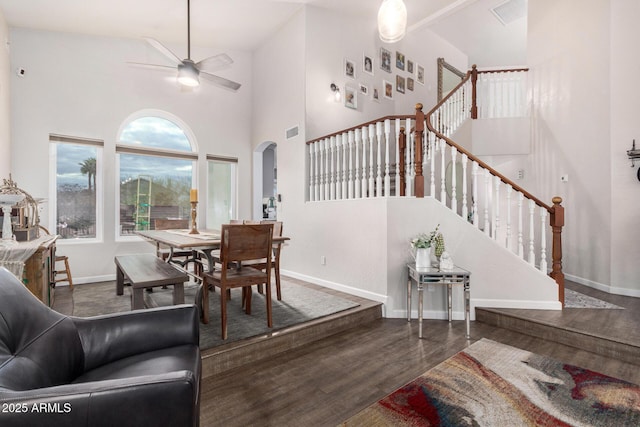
(291,132)
(510,11)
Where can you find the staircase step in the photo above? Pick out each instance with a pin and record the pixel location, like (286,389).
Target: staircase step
(608,346)
(223,358)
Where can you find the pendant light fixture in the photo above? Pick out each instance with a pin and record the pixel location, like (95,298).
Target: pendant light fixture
(392,21)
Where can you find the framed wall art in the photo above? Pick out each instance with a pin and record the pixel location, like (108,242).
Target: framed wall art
(388,89)
(385,60)
(349,68)
(400,61)
(367,64)
(420,74)
(350,97)
(400,84)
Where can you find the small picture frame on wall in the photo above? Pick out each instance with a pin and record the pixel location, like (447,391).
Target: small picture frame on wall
(409,66)
(375,95)
(387,89)
(367,64)
(420,74)
(364,89)
(385,60)
(410,83)
(400,82)
(349,68)
(400,61)
(350,97)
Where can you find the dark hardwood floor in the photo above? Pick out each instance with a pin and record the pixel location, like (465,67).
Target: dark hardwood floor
(327,381)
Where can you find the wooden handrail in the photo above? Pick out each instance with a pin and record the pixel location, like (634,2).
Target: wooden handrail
(480,162)
(360,126)
(556,219)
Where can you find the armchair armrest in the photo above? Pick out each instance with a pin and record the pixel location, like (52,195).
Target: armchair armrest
(115,336)
(164,399)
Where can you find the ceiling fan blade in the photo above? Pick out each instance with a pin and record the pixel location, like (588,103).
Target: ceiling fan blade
(163,50)
(220,81)
(153,66)
(215,63)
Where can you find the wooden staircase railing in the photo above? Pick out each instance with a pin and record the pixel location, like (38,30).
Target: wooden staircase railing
(438,132)
(389,157)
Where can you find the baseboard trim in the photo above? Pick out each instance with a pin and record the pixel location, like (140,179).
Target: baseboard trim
(604,288)
(93,279)
(337,286)
(527,305)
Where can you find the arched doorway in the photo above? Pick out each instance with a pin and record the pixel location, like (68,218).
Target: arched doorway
(265,178)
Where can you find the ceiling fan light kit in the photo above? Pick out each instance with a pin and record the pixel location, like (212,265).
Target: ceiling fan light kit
(189,72)
(392,21)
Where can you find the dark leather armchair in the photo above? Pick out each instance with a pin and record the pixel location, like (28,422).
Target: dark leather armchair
(130,369)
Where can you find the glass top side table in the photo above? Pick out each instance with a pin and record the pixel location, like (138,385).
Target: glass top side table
(436,276)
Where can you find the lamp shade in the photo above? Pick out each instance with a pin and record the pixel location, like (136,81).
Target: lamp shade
(188,74)
(392,21)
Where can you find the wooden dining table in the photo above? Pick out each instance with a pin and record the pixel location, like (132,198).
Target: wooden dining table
(204,243)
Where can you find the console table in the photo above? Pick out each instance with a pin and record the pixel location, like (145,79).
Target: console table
(436,276)
(32,262)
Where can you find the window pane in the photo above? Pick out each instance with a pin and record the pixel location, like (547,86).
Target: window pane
(221,199)
(76,190)
(155,132)
(152,187)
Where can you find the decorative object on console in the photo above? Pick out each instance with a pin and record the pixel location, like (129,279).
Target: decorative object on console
(392,21)
(446,262)
(27,219)
(424,244)
(193,197)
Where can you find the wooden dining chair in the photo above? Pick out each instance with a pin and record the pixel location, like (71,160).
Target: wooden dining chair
(240,243)
(275,258)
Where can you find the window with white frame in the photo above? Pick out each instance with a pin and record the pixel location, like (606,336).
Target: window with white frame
(156,163)
(221,190)
(76,191)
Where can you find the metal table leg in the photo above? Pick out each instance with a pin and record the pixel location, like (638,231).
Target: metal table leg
(420,304)
(409,300)
(449,302)
(467,297)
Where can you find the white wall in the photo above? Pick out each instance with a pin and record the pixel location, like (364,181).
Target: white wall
(568,56)
(625,110)
(80,85)
(5,98)
(358,246)
(352,37)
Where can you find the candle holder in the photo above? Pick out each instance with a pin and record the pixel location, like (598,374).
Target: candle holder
(194,213)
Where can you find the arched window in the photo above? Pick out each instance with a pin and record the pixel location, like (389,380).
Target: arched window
(156,161)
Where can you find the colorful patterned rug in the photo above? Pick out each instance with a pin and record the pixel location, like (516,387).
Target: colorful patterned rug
(492,384)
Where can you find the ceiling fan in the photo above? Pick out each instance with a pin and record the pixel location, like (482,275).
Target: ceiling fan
(189,71)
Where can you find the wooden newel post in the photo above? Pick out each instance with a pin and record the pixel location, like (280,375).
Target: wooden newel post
(402,144)
(557,222)
(419,179)
(474,91)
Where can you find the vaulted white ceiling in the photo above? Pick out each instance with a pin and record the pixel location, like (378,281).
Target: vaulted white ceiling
(245,24)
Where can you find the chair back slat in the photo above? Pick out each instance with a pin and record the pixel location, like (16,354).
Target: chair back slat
(243,242)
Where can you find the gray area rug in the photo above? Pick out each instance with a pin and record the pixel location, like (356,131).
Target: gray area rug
(299,304)
(573,299)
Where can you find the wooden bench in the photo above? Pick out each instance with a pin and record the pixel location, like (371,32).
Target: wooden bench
(147,271)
